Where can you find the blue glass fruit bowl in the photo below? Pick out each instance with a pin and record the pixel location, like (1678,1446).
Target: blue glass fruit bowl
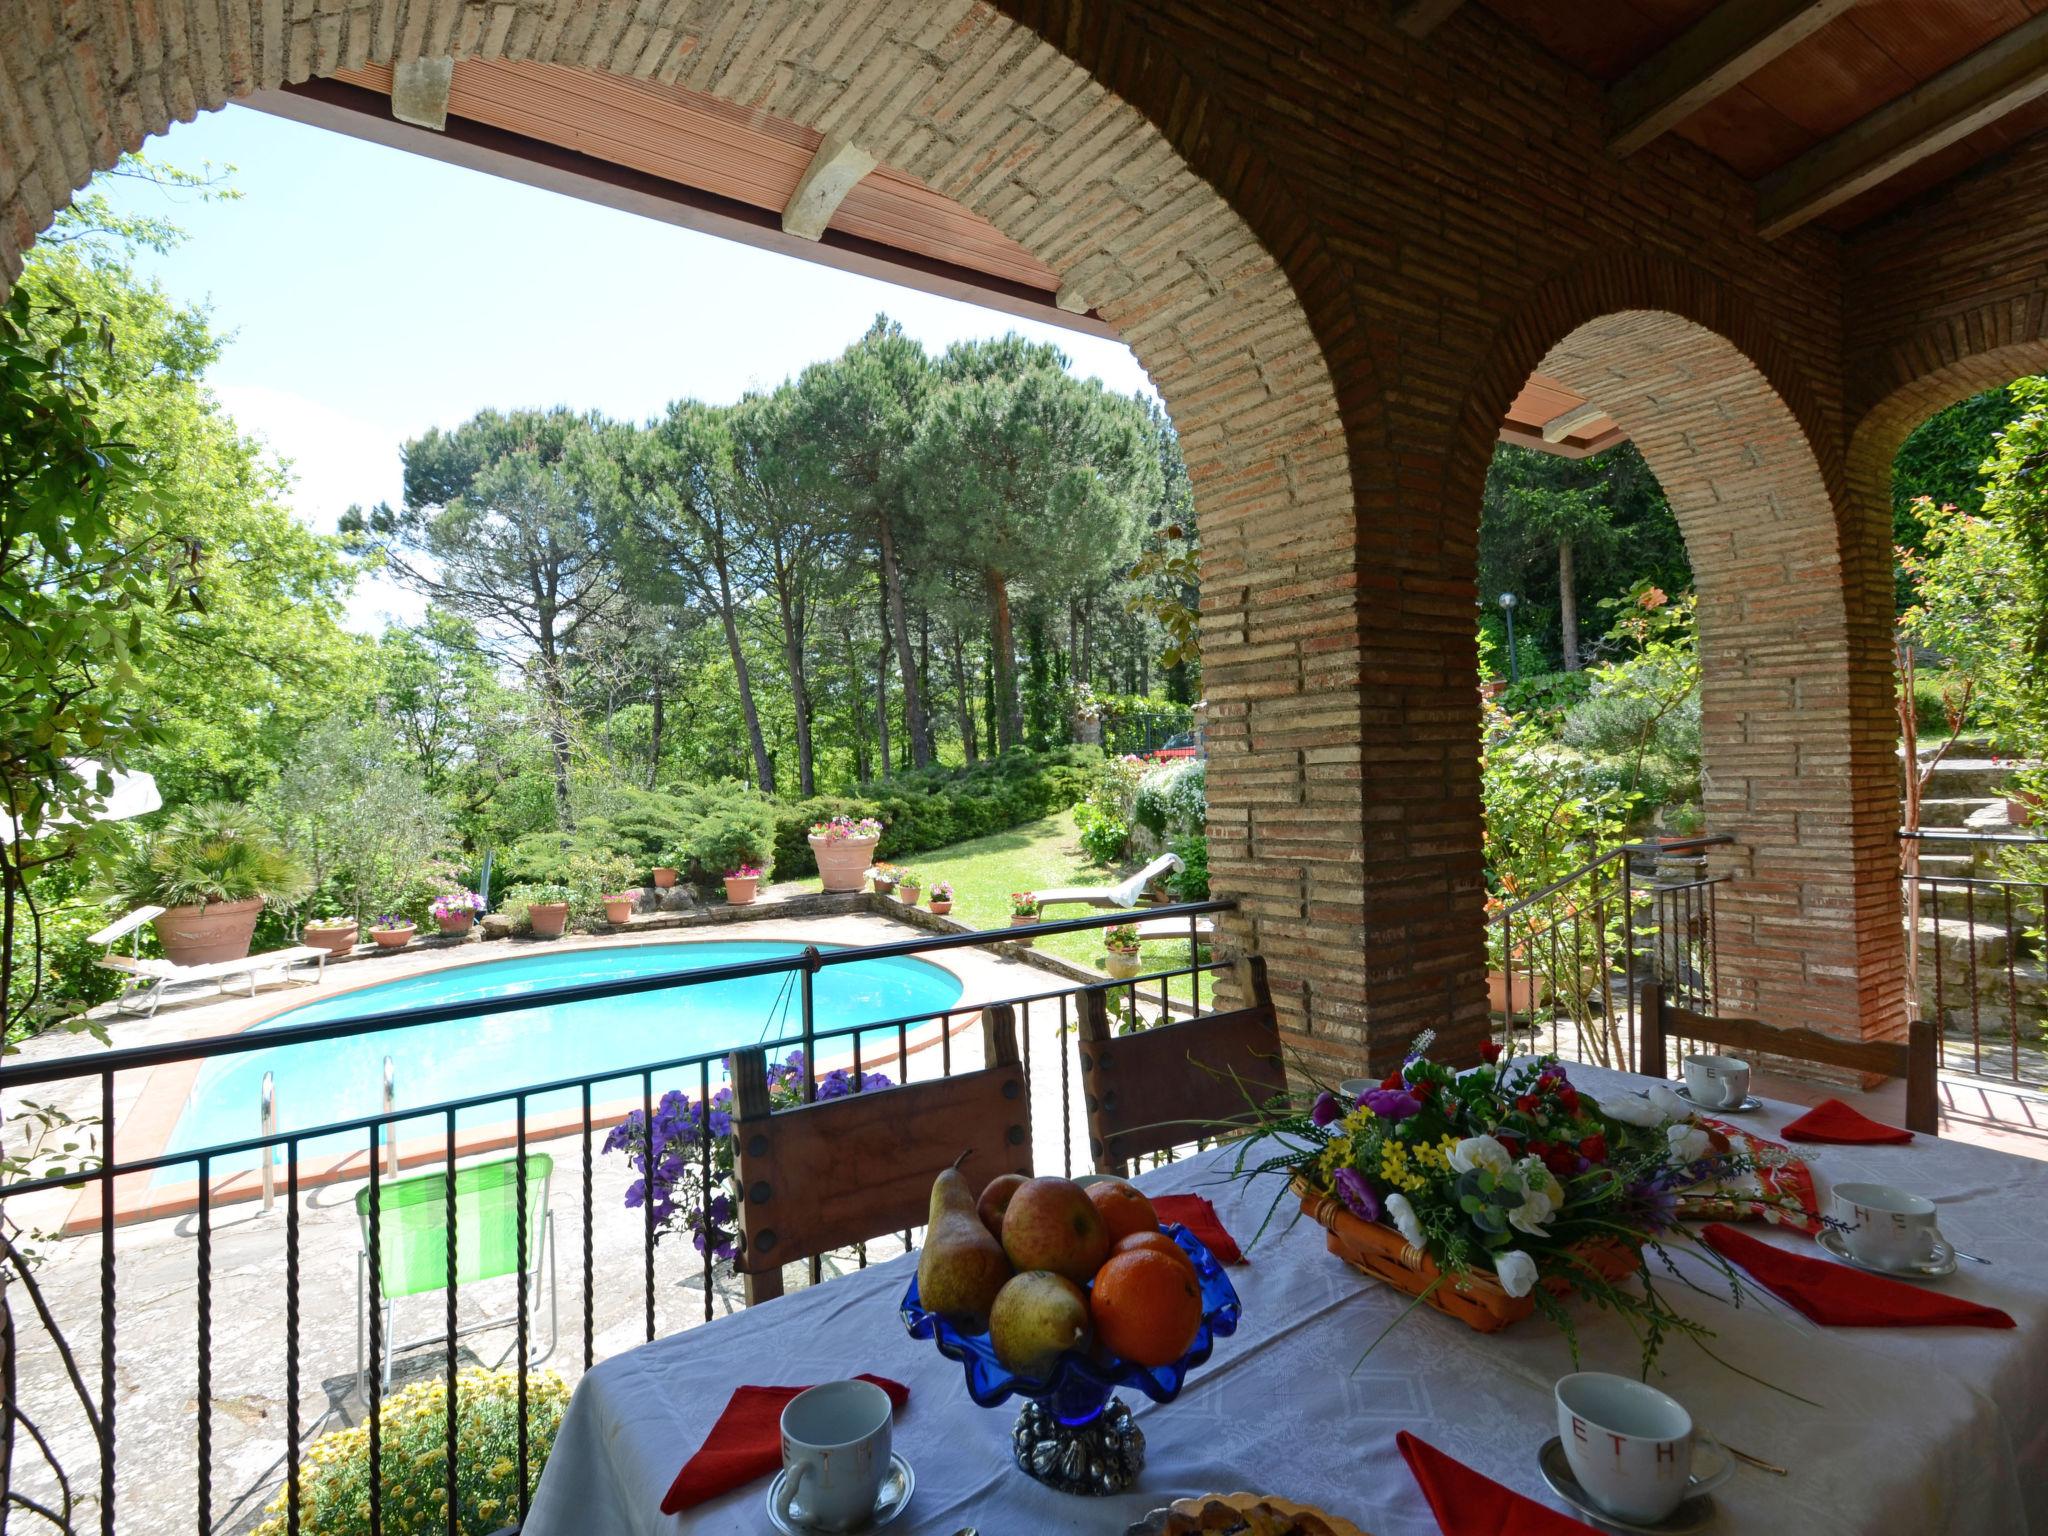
(1081,1386)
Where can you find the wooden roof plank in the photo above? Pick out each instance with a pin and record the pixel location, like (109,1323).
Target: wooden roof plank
(1419,18)
(2003,75)
(1717,53)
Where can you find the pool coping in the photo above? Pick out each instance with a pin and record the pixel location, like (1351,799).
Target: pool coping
(161,1102)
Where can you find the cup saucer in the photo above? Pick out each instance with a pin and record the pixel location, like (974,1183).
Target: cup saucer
(898,1484)
(1749,1103)
(1940,1267)
(1693,1512)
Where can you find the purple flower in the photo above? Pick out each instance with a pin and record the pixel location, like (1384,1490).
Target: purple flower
(1325,1109)
(1357,1195)
(1656,1201)
(1392,1103)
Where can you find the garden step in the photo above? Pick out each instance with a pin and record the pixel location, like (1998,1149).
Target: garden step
(1947,866)
(1973,775)
(1986,902)
(1994,1000)
(1959,942)
(1977,812)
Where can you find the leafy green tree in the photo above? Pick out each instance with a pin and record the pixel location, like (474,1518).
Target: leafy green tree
(1943,463)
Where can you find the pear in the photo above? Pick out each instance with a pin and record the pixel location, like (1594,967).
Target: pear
(962,1266)
(1037,1317)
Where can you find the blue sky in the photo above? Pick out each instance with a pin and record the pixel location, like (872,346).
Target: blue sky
(369,294)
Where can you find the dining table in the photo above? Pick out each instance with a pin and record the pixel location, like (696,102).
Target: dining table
(1913,1431)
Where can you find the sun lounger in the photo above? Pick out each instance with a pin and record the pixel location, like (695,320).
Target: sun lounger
(1123,894)
(149,981)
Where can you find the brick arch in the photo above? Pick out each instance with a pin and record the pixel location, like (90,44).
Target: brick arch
(985,110)
(1795,635)
(1956,361)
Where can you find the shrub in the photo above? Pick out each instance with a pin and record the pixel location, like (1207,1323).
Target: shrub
(334,1479)
(209,853)
(1104,834)
(520,897)
(1173,798)
(731,833)
(1191,881)
(594,876)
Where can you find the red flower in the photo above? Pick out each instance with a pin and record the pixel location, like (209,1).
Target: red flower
(1540,1148)
(1393,1082)
(1569,1098)
(1489,1051)
(1562,1161)
(1527,1103)
(1594,1149)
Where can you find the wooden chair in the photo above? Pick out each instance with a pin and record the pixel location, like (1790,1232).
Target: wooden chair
(839,1172)
(1165,1086)
(1914,1059)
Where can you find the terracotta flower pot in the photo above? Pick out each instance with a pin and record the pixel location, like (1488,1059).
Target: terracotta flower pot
(394,938)
(548,918)
(335,938)
(941,908)
(1022,922)
(2019,810)
(1121,962)
(455,922)
(617,911)
(843,863)
(908,894)
(664,877)
(200,935)
(740,891)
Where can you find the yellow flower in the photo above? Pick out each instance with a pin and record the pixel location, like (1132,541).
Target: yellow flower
(502,1467)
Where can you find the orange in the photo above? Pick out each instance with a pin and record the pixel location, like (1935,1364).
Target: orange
(1123,1209)
(1147,1308)
(1154,1241)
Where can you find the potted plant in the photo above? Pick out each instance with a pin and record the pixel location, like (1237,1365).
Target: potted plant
(455,912)
(1120,950)
(884,878)
(844,848)
(392,931)
(336,935)
(941,897)
(212,868)
(665,876)
(618,908)
(547,908)
(1023,912)
(742,884)
(909,886)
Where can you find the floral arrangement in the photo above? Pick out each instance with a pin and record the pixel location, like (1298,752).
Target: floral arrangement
(909,877)
(332,920)
(942,890)
(412,1429)
(744,872)
(844,829)
(690,1150)
(454,903)
(1023,904)
(1510,1169)
(1123,937)
(541,895)
(391,922)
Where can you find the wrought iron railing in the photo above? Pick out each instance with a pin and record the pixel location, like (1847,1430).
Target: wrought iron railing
(100,1411)
(1975,954)
(1566,961)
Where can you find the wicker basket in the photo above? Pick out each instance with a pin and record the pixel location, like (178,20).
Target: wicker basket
(1476,1300)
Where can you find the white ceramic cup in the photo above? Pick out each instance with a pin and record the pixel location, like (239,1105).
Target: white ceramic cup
(835,1453)
(1352,1089)
(1717,1082)
(1891,1228)
(1631,1446)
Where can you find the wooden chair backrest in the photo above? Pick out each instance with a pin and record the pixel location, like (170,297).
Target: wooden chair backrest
(842,1171)
(1913,1059)
(1165,1086)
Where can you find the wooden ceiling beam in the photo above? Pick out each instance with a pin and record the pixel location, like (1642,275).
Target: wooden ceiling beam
(2002,75)
(1558,428)
(1419,18)
(1710,58)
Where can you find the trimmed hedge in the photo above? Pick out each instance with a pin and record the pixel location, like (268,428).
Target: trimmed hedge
(938,807)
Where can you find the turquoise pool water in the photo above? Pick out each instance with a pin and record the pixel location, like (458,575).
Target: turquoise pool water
(326,1081)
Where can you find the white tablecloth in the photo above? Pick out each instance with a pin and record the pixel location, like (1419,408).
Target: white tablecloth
(1919,1431)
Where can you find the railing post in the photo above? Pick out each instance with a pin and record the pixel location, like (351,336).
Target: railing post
(806,979)
(390,1125)
(268,1113)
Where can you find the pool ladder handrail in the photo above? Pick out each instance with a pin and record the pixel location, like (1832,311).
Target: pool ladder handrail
(268,1113)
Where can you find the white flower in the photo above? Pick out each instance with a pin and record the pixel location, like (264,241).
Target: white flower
(1541,1196)
(1405,1220)
(1630,1109)
(1517,1272)
(1667,1103)
(1480,1152)
(1688,1143)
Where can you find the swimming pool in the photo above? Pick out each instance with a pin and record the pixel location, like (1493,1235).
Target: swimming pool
(325,1081)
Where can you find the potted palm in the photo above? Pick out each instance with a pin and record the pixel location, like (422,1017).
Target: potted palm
(547,907)
(742,884)
(909,887)
(336,935)
(844,847)
(1120,951)
(455,912)
(1023,912)
(213,869)
(941,897)
(391,931)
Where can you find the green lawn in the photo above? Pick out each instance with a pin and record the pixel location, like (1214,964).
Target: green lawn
(1036,856)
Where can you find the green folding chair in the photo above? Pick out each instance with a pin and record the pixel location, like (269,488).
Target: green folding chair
(412,1256)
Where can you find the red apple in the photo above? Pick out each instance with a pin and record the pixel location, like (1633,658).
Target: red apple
(1052,1224)
(996,1199)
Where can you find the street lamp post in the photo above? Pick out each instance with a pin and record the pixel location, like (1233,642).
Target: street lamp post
(1507,608)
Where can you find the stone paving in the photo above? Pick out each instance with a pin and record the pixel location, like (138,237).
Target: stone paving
(156,1396)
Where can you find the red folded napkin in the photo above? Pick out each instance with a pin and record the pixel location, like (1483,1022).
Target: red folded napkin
(1466,1503)
(1199,1217)
(1832,1120)
(1842,1297)
(746,1443)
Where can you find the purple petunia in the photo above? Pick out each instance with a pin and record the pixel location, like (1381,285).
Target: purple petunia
(1392,1103)
(1357,1195)
(1325,1109)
